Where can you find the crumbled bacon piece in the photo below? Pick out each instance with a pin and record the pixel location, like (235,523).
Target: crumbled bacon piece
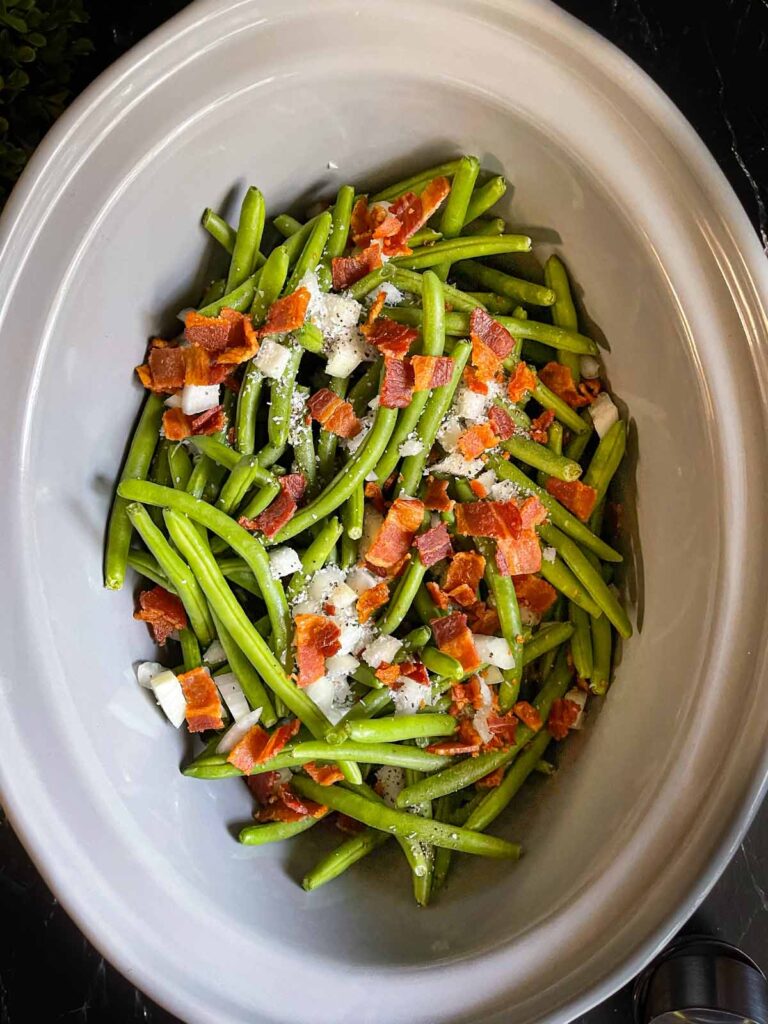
(577,497)
(391,675)
(558,378)
(316,638)
(532,513)
(453,637)
(177,425)
(439,598)
(415,670)
(563,716)
(485,329)
(346,270)
(463,577)
(162,611)
(281,509)
(485,362)
(376,307)
(209,422)
(204,710)
(433,545)
(286,805)
(473,442)
(259,746)
(431,371)
(518,556)
(503,728)
(395,535)
(473,381)
(498,519)
(521,382)
(436,496)
(397,384)
(390,338)
(287,313)
(492,779)
(528,715)
(502,423)
(333,413)
(373,493)
(535,593)
(371,600)
(452,748)
(166,369)
(229,336)
(388,674)
(323,774)
(479,490)
(414,211)
(540,426)
(484,620)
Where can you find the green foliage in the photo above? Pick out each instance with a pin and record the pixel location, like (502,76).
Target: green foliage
(40,45)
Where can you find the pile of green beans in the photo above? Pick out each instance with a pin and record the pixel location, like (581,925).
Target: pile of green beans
(432,760)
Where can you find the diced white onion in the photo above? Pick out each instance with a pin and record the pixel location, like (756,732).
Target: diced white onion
(342,596)
(590,367)
(487,479)
(493,676)
(449,433)
(528,617)
(578,697)
(215,654)
(383,648)
(549,554)
(411,446)
(283,561)
(469,404)
(272,358)
(340,665)
(456,465)
(321,693)
(237,731)
(232,695)
(170,696)
(173,401)
(604,413)
(495,650)
(197,398)
(323,582)
(353,637)
(392,296)
(410,695)
(504,490)
(146,671)
(360,580)
(389,783)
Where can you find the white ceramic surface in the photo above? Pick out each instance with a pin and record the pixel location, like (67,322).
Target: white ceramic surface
(101,245)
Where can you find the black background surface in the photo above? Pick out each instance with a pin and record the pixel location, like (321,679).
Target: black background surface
(712,59)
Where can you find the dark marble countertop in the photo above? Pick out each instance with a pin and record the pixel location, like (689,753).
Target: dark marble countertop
(713,61)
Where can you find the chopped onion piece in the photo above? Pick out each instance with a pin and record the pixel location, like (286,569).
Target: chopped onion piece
(549,554)
(495,650)
(470,405)
(578,697)
(170,696)
(215,654)
(146,671)
(235,732)
(590,367)
(173,401)
(323,582)
(283,561)
(232,695)
(389,782)
(410,695)
(493,676)
(272,358)
(340,665)
(604,413)
(342,596)
(361,580)
(383,648)
(197,398)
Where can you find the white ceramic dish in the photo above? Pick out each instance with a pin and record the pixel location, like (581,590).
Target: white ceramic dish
(101,238)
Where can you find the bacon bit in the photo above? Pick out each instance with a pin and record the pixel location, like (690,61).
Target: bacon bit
(433,545)
(459,699)
(166,369)
(483,620)
(415,670)
(492,779)
(414,211)
(478,489)
(473,381)
(374,224)
(203,709)
(176,426)
(349,825)
(453,637)
(528,715)
(439,598)
(162,611)
(323,774)
(209,422)
(333,413)
(397,384)
(468,734)
(374,494)
(558,378)
(503,728)
(562,717)
(375,309)
(473,442)
(519,556)
(451,748)
(535,593)
(243,345)
(316,638)
(346,270)
(486,363)
(265,786)
(463,595)
(522,381)
(329,609)
(498,519)
(532,513)
(197,365)
(540,426)
(388,674)
(395,535)
(465,571)
(577,497)
(288,806)
(501,422)
(281,509)
(431,371)
(436,496)
(490,333)
(287,314)
(210,332)
(590,389)
(371,600)
(390,338)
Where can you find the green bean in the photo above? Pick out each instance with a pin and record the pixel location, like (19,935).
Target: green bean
(190,649)
(314,558)
(217,766)
(216,450)
(601,655)
(372,280)
(274,831)
(271,283)
(466,772)
(425,607)
(179,465)
(581,640)
(279,418)
(503,284)
(561,409)
(413,282)
(365,388)
(443,811)
(496,304)
(238,483)
(328,441)
(455,208)
(578,443)
(343,484)
(606,460)
(177,571)
(559,516)
(239,298)
(423,237)
(397,727)
(457,326)
(591,579)
(413,642)
(312,251)
(249,231)
(563,310)
(417,182)
(442,665)
(402,823)
(287,225)
(403,596)
(535,353)
(213,292)
(135,467)
(261,500)
(372,704)
(250,683)
(160,473)
(237,571)
(484,197)
(343,857)
(146,565)
(353,513)
(541,457)
(219,229)
(245,544)
(310,338)
(546,639)
(412,468)
(555,444)
(342,212)
(560,576)
(462,248)
(304,445)
(401,756)
(493,227)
